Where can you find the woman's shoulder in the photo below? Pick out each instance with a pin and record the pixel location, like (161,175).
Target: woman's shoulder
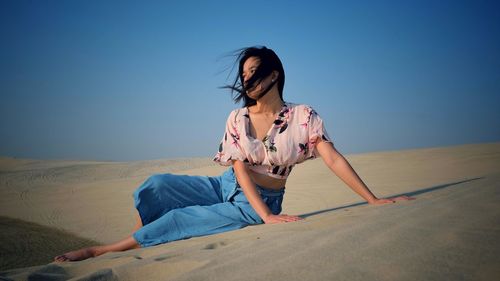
(300,107)
(236,113)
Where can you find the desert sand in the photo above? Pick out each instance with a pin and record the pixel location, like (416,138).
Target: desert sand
(450,232)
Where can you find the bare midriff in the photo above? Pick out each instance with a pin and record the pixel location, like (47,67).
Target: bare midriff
(266,181)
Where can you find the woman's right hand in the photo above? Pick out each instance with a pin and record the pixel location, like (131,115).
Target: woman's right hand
(280,218)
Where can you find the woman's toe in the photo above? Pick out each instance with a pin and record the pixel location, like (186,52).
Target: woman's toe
(61,258)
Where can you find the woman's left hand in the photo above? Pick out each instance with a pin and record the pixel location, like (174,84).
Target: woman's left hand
(390,200)
(280,218)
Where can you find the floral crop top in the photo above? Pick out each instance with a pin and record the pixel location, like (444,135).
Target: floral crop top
(291,140)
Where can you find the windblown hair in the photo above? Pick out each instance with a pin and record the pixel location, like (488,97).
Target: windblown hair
(269,62)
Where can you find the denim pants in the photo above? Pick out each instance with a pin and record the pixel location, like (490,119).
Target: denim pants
(174,207)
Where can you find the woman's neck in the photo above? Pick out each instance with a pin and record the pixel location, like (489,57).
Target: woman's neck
(270,103)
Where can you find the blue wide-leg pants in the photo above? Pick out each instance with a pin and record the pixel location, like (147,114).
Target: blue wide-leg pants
(174,207)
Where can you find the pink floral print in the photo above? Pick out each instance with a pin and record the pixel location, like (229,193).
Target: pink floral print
(291,140)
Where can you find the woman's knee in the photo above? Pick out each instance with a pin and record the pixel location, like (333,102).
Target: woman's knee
(150,186)
(157,179)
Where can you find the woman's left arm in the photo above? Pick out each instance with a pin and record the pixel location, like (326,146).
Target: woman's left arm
(339,165)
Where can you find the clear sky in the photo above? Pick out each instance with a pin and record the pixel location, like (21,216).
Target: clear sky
(138,80)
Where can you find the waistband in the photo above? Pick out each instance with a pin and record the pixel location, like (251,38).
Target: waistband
(270,192)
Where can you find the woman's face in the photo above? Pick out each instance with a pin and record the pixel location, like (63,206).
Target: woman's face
(249,68)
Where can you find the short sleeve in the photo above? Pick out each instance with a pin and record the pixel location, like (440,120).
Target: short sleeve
(317,133)
(230,146)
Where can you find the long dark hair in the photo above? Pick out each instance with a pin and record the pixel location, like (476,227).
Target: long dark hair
(269,62)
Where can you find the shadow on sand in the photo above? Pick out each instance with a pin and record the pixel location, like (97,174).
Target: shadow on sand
(411,193)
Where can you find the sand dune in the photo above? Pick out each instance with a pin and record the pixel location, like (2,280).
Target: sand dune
(451,232)
(26,243)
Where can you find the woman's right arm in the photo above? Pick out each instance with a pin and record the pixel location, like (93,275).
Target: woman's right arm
(253,196)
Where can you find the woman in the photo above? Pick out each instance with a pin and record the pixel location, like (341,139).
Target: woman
(262,142)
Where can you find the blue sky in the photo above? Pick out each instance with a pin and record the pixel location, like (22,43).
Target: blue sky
(138,80)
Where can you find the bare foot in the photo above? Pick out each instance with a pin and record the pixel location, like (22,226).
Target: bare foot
(77,255)
(85,253)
